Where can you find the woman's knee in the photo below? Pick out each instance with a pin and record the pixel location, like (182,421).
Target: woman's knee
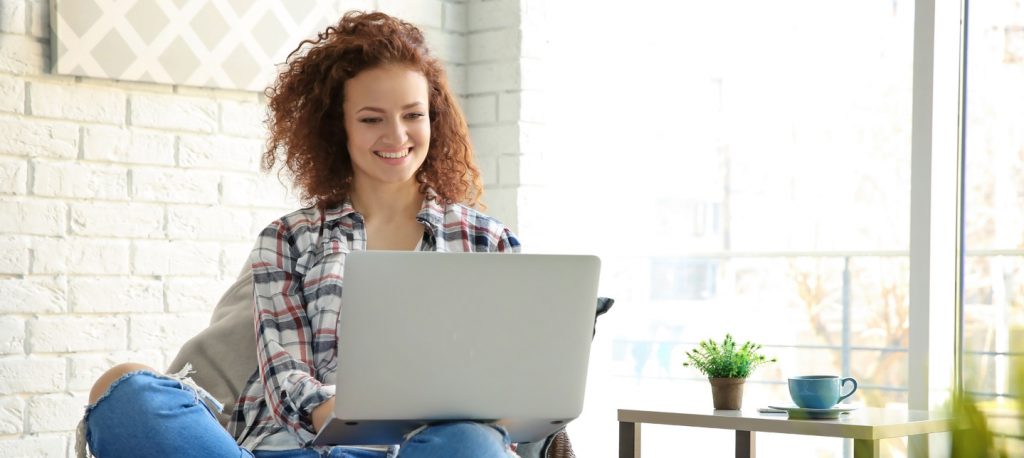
(134,407)
(112,375)
(458,439)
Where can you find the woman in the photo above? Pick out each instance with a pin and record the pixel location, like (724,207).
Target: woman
(364,122)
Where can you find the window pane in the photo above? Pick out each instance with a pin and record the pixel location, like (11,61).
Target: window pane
(994,215)
(740,166)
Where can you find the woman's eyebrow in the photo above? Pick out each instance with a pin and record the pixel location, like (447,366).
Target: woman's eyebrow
(381,110)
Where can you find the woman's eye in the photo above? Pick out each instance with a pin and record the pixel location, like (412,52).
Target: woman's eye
(414,115)
(370,120)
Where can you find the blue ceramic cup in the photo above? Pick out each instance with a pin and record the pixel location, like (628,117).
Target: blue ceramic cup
(819,391)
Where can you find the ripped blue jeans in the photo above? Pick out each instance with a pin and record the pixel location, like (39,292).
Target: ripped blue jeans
(144,414)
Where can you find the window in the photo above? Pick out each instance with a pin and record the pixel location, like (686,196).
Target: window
(742,167)
(993,309)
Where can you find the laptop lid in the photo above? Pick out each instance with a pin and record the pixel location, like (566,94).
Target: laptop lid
(427,337)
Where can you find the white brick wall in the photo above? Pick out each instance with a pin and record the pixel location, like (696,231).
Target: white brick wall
(41,374)
(12,415)
(12,335)
(12,17)
(36,445)
(174,112)
(76,102)
(33,294)
(12,95)
(52,255)
(13,176)
(14,255)
(72,333)
(49,413)
(116,295)
(503,102)
(85,368)
(219,153)
(78,179)
(127,208)
(176,185)
(131,220)
(38,138)
(125,145)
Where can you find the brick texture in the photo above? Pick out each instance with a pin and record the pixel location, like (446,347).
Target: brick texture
(33,295)
(503,80)
(114,144)
(79,256)
(57,334)
(166,111)
(128,208)
(85,367)
(54,412)
(220,153)
(34,446)
(14,255)
(38,139)
(13,176)
(32,375)
(12,94)
(12,335)
(77,103)
(175,185)
(12,415)
(113,295)
(112,220)
(80,180)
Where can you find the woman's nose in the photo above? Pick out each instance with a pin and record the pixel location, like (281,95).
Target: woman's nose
(395,134)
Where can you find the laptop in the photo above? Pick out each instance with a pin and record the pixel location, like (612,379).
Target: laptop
(427,337)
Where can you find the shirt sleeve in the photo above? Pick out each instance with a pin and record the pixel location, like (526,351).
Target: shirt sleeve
(507,242)
(283,333)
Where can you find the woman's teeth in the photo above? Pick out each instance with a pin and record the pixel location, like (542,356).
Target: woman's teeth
(392,155)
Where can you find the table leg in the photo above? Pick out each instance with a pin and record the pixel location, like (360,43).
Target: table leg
(866,448)
(629,439)
(745,444)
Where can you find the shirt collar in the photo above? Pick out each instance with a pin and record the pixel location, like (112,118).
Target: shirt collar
(339,211)
(432,211)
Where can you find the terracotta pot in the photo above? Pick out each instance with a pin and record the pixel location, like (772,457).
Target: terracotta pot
(727,393)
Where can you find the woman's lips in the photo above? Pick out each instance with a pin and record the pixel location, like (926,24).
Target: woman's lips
(393,154)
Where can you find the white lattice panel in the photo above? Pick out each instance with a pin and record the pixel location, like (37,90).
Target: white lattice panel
(231,44)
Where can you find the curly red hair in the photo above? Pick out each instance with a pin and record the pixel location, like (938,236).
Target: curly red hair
(306,124)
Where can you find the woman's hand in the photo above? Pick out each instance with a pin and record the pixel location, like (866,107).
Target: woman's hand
(322,413)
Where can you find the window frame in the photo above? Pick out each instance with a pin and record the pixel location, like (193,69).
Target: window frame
(936,206)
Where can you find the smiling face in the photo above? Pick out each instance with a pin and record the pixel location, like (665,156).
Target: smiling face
(387,125)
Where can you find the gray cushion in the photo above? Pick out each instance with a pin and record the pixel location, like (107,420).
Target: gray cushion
(223,355)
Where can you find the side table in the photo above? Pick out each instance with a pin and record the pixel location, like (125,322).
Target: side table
(866,426)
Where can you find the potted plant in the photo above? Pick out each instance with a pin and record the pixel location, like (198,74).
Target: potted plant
(727,366)
(990,428)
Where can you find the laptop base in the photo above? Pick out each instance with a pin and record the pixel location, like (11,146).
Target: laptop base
(390,432)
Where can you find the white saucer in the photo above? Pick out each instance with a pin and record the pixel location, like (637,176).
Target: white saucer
(801,413)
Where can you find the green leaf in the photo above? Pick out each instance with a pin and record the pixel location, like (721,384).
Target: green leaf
(726,360)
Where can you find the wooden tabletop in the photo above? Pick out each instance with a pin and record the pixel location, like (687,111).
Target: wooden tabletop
(866,423)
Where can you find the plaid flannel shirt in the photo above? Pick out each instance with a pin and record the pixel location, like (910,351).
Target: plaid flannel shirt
(297,268)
